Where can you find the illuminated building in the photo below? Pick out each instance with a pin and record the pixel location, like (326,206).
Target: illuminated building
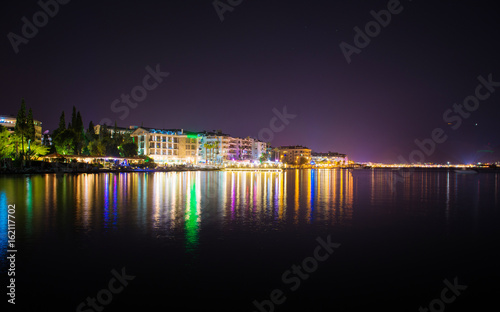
(218,147)
(292,154)
(9,122)
(329,158)
(167,146)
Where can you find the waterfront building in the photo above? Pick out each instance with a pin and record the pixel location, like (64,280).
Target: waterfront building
(219,147)
(167,146)
(259,148)
(329,159)
(9,122)
(292,154)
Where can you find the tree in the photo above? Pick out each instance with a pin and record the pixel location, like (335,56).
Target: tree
(302,161)
(210,147)
(89,137)
(64,142)
(7,148)
(79,123)
(103,132)
(61,127)
(111,147)
(79,132)
(30,127)
(91,129)
(265,156)
(36,150)
(97,148)
(20,128)
(128,149)
(117,136)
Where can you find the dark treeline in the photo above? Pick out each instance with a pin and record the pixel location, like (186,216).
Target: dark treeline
(73,139)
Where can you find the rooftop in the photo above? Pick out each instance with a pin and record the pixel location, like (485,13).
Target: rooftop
(293,147)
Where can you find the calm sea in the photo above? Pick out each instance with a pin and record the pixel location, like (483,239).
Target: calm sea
(233,241)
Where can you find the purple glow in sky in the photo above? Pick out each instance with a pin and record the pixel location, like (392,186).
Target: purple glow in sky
(230,74)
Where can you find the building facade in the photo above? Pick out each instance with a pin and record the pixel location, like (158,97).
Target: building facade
(218,147)
(9,122)
(168,146)
(330,159)
(293,154)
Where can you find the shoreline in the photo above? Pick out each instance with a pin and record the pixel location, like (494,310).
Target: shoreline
(97,171)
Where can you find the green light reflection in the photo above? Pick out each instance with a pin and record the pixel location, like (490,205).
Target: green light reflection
(191,217)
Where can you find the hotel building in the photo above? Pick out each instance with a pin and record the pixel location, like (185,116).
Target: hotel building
(167,146)
(218,147)
(9,122)
(292,154)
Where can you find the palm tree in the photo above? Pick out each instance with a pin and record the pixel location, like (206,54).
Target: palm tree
(207,146)
(216,146)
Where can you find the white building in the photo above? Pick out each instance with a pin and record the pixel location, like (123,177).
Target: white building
(218,147)
(168,146)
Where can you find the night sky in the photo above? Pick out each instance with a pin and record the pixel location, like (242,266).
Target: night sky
(230,74)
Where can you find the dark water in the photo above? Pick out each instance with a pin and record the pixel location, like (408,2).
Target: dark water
(217,241)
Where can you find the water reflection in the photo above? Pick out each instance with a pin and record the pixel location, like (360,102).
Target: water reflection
(184,204)
(3,226)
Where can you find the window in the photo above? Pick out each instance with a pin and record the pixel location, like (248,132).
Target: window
(175,152)
(151,145)
(158,145)
(164,145)
(176,140)
(175,146)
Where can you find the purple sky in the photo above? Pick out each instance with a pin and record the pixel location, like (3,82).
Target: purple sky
(230,74)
